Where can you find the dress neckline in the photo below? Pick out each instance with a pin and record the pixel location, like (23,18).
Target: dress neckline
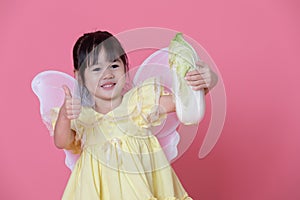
(109,112)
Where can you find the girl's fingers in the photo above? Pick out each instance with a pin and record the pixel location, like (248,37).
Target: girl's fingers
(194,77)
(76,107)
(190,73)
(73,101)
(72,117)
(76,112)
(73,107)
(204,73)
(196,83)
(200,81)
(198,77)
(67,92)
(200,87)
(72,113)
(198,71)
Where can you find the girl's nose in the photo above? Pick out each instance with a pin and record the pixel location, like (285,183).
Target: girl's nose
(108,74)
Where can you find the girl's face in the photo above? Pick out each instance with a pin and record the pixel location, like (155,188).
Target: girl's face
(106,79)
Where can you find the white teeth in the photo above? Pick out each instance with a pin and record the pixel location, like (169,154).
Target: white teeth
(106,86)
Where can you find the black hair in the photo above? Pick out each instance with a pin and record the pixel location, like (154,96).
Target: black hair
(86,52)
(87,49)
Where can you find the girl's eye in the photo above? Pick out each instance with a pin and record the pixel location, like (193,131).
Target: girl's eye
(96,69)
(114,66)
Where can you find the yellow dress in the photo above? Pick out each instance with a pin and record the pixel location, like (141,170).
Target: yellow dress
(120,158)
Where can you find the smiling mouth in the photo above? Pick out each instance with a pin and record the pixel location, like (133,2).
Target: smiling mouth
(108,85)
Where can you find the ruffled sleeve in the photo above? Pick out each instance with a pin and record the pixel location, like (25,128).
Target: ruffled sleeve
(144,102)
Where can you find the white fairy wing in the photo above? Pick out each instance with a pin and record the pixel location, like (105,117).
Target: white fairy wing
(47,86)
(168,133)
(156,65)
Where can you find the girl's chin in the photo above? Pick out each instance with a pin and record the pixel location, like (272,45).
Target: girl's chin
(107,94)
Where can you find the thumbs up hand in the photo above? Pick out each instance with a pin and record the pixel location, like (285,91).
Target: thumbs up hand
(71,106)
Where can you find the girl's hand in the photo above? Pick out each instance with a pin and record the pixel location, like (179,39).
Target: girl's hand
(72,106)
(202,78)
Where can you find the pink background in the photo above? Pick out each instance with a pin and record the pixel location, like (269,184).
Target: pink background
(255,45)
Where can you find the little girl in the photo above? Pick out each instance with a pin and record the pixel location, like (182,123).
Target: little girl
(119,157)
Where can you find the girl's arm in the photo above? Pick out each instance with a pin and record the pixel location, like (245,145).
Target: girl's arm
(64,136)
(166,104)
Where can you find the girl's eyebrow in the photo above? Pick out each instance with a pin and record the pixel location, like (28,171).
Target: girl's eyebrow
(116,60)
(110,62)
(106,64)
